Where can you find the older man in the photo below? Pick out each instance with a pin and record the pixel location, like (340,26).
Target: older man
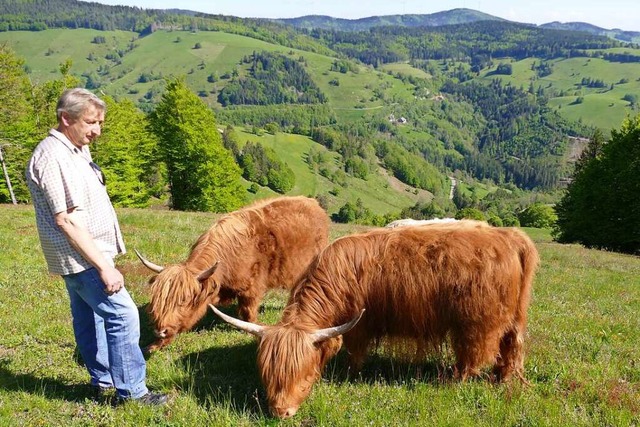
(80,238)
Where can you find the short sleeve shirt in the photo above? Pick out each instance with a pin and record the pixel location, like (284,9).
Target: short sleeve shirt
(61,177)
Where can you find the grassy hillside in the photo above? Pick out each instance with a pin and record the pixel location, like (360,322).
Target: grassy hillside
(602,107)
(123,65)
(219,53)
(173,53)
(581,349)
(378,192)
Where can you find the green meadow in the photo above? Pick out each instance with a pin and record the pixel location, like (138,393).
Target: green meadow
(582,360)
(292,149)
(174,53)
(601,107)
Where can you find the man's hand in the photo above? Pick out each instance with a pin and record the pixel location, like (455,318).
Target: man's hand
(113,280)
(75,231)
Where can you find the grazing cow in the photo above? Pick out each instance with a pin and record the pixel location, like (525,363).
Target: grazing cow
(245,253)
(464,281)
(410,221)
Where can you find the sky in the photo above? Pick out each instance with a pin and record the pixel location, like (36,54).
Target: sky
(609,14)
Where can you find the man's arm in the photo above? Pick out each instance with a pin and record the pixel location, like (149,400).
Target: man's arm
(79,237)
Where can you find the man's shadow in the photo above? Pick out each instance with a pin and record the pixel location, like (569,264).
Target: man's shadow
(49,388)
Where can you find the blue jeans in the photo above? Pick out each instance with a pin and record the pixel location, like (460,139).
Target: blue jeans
(107,331)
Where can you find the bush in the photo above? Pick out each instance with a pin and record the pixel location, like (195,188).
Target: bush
(510,220)
(470,213)
(495,220)
(538,215)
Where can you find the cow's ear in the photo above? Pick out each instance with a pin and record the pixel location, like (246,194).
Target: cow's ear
(328,349)
(208,272)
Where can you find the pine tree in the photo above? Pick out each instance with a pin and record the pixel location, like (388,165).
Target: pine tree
(203,175)
(601,207)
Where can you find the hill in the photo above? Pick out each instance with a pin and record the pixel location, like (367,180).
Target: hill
(616,33)
(449,17)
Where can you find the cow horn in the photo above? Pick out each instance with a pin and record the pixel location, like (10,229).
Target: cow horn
(208,272)
(325,334)
(252,328)
(151,266)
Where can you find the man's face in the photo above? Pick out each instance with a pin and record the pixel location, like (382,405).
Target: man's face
(85,129)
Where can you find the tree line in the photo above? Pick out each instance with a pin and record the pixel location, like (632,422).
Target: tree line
(468,42)
(272,79)
(178,148)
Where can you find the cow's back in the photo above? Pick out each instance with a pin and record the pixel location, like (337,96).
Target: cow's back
(419,281)
(293,231)
(271,242)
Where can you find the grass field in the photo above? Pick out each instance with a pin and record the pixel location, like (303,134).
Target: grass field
(602,107)
(582,349)
(217,52)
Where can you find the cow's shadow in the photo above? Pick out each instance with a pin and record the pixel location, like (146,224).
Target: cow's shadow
(225,376)
(147,336)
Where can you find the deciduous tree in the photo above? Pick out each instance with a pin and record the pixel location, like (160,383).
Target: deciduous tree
(128,155)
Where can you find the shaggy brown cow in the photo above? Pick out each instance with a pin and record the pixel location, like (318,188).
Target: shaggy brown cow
(263,246)
(465,281)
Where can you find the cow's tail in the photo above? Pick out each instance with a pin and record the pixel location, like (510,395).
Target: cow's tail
(511,361)
(529,260)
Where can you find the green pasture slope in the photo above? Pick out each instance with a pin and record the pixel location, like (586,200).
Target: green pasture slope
(375,192)
(582,349)
(601,107)
(173,53)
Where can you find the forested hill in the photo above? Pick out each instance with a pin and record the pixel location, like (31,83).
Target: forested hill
(477,41)
(488,101)
(449,17)
(36,15)
(616,33)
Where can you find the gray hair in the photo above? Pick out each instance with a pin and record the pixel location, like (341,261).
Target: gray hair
(75,101)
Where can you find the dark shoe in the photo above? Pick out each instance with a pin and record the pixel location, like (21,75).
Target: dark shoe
(153,399)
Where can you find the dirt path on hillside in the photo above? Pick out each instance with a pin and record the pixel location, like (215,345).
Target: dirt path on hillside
(452,191)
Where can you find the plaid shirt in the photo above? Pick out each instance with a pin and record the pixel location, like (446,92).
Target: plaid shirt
(60,177)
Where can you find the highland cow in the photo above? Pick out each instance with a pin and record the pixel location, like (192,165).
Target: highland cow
(263,246)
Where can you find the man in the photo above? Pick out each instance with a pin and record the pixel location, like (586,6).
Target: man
(80,237)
